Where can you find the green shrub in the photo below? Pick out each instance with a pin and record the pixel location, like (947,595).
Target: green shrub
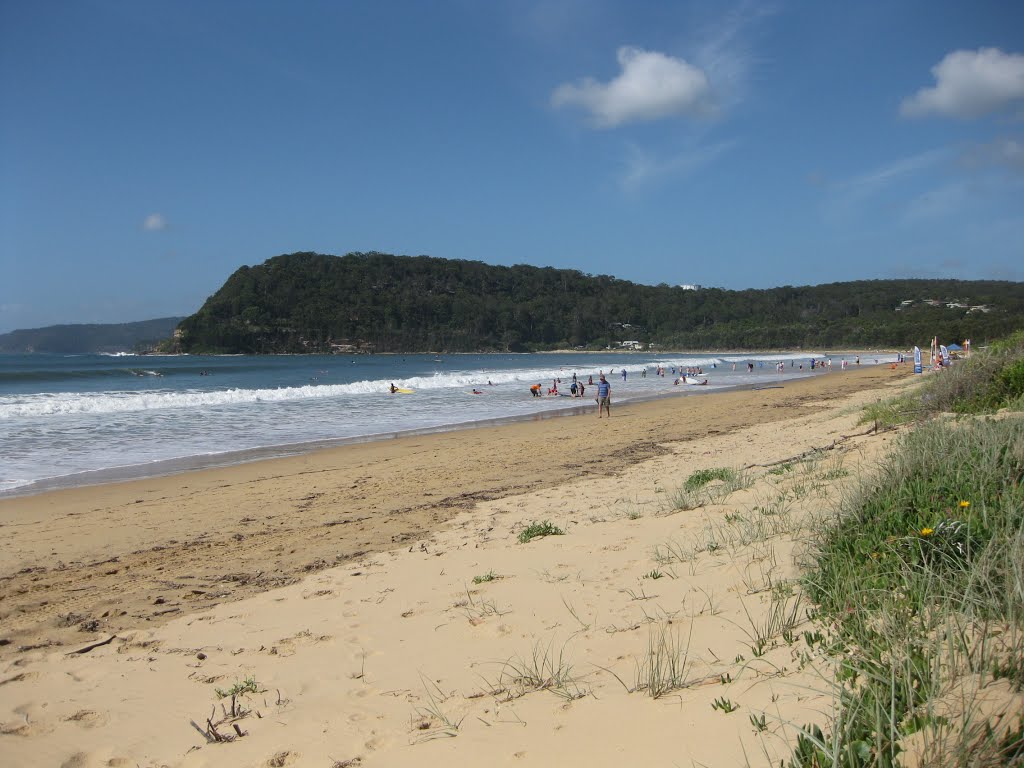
(538,530)
(702,477)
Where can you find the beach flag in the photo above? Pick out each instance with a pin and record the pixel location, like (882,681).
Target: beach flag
(944,354)
(917,359)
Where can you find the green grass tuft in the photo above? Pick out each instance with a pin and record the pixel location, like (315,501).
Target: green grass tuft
(539,530)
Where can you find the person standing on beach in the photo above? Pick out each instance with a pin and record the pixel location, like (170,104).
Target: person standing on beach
(604,397)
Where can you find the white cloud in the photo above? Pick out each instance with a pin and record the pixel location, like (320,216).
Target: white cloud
(651,85)
(154,222)
(970,84)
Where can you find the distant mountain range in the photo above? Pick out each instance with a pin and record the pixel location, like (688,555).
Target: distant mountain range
(113,337)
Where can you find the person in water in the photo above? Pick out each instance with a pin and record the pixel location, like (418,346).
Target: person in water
(393,388)
(535,390)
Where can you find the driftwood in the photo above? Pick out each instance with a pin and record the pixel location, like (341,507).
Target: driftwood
(800,456)
(93,646)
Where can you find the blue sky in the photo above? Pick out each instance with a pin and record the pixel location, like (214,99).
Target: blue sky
(148,148)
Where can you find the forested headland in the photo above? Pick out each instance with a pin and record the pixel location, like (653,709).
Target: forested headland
(376,302)
(94,337)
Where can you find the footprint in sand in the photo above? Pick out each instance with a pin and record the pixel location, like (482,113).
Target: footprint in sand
(86,718)
(281,759)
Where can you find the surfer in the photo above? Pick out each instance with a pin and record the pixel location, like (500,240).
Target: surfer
(393,388)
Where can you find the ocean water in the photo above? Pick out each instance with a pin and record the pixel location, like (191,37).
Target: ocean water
(69,420)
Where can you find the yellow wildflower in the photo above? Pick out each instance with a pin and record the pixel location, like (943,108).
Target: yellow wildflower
(964,504)
(927,531)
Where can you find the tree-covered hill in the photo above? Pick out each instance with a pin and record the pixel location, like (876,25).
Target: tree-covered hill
(100,337)
(309,302)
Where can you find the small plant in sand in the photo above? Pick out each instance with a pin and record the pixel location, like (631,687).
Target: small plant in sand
(542,670)
(432,713)
(539,530)
(665,667)
(702,477)
(229,715)
(697,491)
(485,577)
(248,685)
(725,705)
(478,610)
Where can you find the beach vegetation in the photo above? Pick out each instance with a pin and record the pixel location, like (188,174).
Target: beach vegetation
(483,578)
(543,669)
(665,667)
(702,477)
(539,530)
(726,706)
(476,610)
(433,712)
(248,685)
(986,382)
(920,575)
(708,486)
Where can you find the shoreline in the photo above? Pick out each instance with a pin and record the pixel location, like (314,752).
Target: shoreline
(381,601)
(222,459)
(99,554)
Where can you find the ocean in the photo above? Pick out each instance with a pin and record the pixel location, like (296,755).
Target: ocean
(69,420)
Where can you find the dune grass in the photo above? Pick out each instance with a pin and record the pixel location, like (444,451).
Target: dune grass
(708,486)
(984,383)
(539,530)
(921,575)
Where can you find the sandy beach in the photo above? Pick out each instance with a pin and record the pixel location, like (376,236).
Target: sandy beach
(337,589)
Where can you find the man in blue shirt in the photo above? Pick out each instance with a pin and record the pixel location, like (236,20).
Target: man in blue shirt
(604,397)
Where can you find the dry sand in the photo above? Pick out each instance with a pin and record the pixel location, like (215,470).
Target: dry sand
(342,582)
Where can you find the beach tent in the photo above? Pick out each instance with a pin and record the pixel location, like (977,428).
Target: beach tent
(955,348)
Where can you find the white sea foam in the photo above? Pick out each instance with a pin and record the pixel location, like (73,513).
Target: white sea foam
(261,404)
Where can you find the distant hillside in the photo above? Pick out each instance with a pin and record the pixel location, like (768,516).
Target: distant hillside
(309,302)
(119,337)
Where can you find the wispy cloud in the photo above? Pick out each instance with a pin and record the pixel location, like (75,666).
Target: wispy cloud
(644,167)
(155,222)
(943,201)
(846,197)
(723,49)
(1002,153)
(651,85)
(970,84)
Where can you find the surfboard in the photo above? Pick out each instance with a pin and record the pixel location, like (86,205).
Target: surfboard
(400,390)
